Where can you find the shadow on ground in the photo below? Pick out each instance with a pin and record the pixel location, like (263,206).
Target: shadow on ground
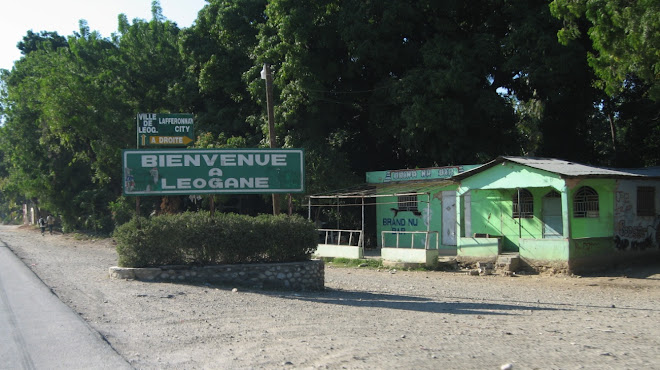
(412,303)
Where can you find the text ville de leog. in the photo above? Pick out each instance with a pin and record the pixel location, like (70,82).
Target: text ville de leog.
(181,125)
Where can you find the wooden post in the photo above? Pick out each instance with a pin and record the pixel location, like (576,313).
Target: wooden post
(290,205)
(271,125)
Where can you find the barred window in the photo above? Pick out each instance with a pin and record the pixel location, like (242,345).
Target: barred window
(646,201)
(523,207)
(553,194)
(407,202)
(585,203)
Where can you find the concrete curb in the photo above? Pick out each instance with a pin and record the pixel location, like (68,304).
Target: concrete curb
(305,275)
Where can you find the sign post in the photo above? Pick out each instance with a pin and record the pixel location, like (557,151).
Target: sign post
(163,130)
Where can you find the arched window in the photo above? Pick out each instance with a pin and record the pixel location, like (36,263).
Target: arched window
(585,203)
(553,194)
(523,207)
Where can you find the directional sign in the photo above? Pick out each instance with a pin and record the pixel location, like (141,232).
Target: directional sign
(165,140)
(213,171)
(164,130)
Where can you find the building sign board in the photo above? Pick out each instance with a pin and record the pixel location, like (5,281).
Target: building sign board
(212,171)
(164,130)
(433,173)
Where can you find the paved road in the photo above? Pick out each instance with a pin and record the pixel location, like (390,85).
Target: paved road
(38,331)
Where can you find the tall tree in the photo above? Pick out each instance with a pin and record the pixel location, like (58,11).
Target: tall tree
(217,50)
(152,67)
(44,40)
(625,36)
(551,84)
(393,83)
(62,128)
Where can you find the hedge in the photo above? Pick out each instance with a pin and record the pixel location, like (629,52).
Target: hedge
(199,239)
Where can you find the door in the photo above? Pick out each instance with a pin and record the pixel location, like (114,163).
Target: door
(553,225)
(448,218)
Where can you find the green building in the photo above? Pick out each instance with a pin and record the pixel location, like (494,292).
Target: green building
(558,214)
(548,213)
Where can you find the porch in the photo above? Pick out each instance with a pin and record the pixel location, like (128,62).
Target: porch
(374,230)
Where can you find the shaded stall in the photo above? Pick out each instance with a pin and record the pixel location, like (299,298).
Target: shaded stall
(400,216)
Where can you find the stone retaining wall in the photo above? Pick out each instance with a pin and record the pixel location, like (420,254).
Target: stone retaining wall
(306,275)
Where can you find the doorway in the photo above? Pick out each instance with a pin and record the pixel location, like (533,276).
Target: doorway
(553,225)
(448,218)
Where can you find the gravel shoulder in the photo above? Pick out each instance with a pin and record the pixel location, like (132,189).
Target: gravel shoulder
(365,319)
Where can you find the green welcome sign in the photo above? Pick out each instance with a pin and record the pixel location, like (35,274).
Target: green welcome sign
(212,171)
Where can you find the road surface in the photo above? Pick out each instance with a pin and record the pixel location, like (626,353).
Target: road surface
(38,331)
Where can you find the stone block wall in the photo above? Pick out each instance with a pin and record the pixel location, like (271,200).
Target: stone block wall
(298,276)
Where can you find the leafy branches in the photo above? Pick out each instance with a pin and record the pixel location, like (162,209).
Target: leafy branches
(625,36)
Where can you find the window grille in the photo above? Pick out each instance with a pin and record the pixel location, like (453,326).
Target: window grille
(585,203)
(523,207)
(407,202)
(553,194)
(646,201)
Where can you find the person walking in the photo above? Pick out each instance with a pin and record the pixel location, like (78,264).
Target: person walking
(42,225)
(50,221)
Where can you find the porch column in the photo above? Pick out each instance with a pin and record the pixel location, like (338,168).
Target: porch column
(459,211)
(428,213)
(361,242)
(565,212)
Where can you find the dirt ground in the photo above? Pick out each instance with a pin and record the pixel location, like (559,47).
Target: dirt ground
(365,319)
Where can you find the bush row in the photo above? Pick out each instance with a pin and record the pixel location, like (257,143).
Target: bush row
(197,238)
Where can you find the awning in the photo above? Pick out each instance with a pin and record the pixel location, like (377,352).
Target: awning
(390,189)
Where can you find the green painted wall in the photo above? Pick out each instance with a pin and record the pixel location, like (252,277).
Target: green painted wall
(391,220)
(387,218)
(510,176)
(600,226)
(545,249)
(492,201)
(492,194)
(479,247)
(492,213)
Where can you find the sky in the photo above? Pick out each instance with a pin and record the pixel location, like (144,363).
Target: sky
(19,16)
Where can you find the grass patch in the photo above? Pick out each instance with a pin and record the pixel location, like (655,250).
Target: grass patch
(352,263)
(86,236)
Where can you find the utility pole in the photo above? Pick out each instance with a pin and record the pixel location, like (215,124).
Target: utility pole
(137,146)
(266,75)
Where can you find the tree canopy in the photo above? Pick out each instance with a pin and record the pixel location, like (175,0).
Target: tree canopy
(360,85)
(625,37)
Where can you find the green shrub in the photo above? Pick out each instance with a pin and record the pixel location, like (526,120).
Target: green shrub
(198,238)
(122,210)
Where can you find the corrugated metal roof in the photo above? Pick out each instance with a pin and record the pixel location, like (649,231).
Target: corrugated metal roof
(416,187)
(567,168)
(385,190)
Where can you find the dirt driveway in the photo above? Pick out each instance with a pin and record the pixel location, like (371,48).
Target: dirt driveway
(366,319)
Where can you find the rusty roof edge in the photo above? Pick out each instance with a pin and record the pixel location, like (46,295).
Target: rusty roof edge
(560,167)
(415,187)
